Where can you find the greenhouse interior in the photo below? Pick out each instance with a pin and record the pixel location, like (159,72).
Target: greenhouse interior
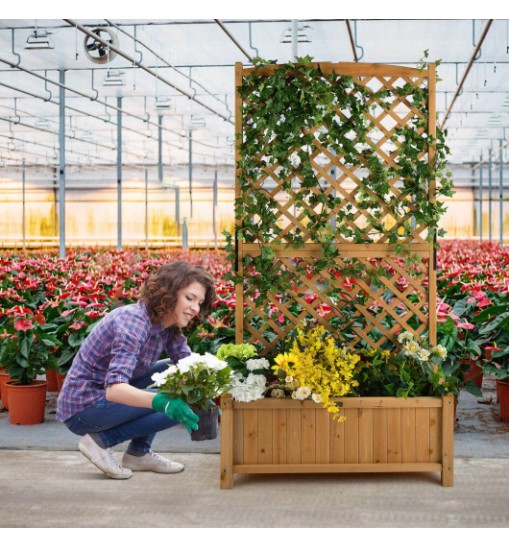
(132,121)
(298,229)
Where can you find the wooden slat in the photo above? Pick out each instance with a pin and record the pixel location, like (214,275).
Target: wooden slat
(250,435)
(448,441)
(238,437)
(380,436)
(435,435)
(408,443)
(309,436)
(226,443)
(394,435)
(294,437)
(279,436)
(422,435)
(352,250)
(323,426)
(349,69)
(337,441)
(338,468)
(366,430)
(351,435)
(239,295)
(265,440)
(345,403)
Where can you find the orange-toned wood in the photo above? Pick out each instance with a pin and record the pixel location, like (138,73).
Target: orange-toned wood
(448,441)
(394,449)
(279,435)
(294,436)
(380,436)
(323,428)
(366,437)
(377,435)
(308,436)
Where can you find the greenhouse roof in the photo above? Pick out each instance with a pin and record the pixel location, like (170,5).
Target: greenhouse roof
(179,73)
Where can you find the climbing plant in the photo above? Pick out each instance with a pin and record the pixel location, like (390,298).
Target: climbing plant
(334,159)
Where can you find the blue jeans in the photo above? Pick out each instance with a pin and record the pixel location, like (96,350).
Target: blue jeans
(111,423)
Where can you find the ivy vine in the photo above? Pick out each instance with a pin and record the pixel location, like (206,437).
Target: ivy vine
(296,112)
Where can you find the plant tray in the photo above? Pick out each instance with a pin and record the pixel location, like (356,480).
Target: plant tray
(379,434)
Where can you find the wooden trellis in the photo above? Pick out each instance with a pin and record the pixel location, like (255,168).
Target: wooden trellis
(389,295)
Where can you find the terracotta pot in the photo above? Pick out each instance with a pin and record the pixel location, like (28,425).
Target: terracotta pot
(503,398)
(27,402)
(51,379)
(4,377)
(60,380)
(488,351)
(475,373)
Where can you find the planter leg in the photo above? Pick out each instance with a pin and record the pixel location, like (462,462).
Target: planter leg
(448,441)
(226,462)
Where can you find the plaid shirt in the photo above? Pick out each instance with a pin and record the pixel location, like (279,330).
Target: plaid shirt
(121,347)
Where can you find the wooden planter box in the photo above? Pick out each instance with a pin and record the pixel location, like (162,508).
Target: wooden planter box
(282,436)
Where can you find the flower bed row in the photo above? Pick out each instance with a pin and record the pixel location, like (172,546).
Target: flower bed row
(48,304)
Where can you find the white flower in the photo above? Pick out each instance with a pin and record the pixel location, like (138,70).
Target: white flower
(294,395)
(289,379)
(405,337)
(440,351)
(248,389)
(213,363)
(260,363)
(302,392)
(159,378)
(411,348)
(423,354)
(316,398)
(256,380)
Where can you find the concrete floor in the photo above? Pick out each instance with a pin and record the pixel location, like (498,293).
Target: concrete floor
(45,482)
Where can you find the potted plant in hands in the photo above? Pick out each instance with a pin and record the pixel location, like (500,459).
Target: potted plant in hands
(197,379)
(27,352)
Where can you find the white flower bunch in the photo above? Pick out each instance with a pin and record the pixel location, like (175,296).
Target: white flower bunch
(196,378)
(248,389)
(255,364)
(414,348)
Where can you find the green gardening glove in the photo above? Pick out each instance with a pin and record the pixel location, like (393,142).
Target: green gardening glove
(176,409)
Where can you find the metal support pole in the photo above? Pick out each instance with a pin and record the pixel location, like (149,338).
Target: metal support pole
(119,173)
(160,148)
(23,213)
(146,209)
(481,191)
(61,148)
(191,173)
(177,209)
(214,207)
(501,192)
(185,241)
(295,38)
(490,186)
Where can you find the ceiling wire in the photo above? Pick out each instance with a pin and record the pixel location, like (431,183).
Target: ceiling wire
(155,54)
(145,68)
(228,33)
(467,70)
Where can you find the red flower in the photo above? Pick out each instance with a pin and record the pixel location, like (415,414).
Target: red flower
(23,324)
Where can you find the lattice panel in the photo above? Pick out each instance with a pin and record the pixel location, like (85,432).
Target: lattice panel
(341,171)
(369,310)
(355,178)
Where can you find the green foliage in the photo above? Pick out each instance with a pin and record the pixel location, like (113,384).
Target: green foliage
(293,112)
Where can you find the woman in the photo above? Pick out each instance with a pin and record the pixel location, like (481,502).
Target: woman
(104,396)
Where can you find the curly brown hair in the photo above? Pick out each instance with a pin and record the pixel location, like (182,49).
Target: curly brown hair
(159,291)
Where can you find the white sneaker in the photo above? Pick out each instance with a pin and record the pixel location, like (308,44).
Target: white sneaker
(103,459)
(151,462)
